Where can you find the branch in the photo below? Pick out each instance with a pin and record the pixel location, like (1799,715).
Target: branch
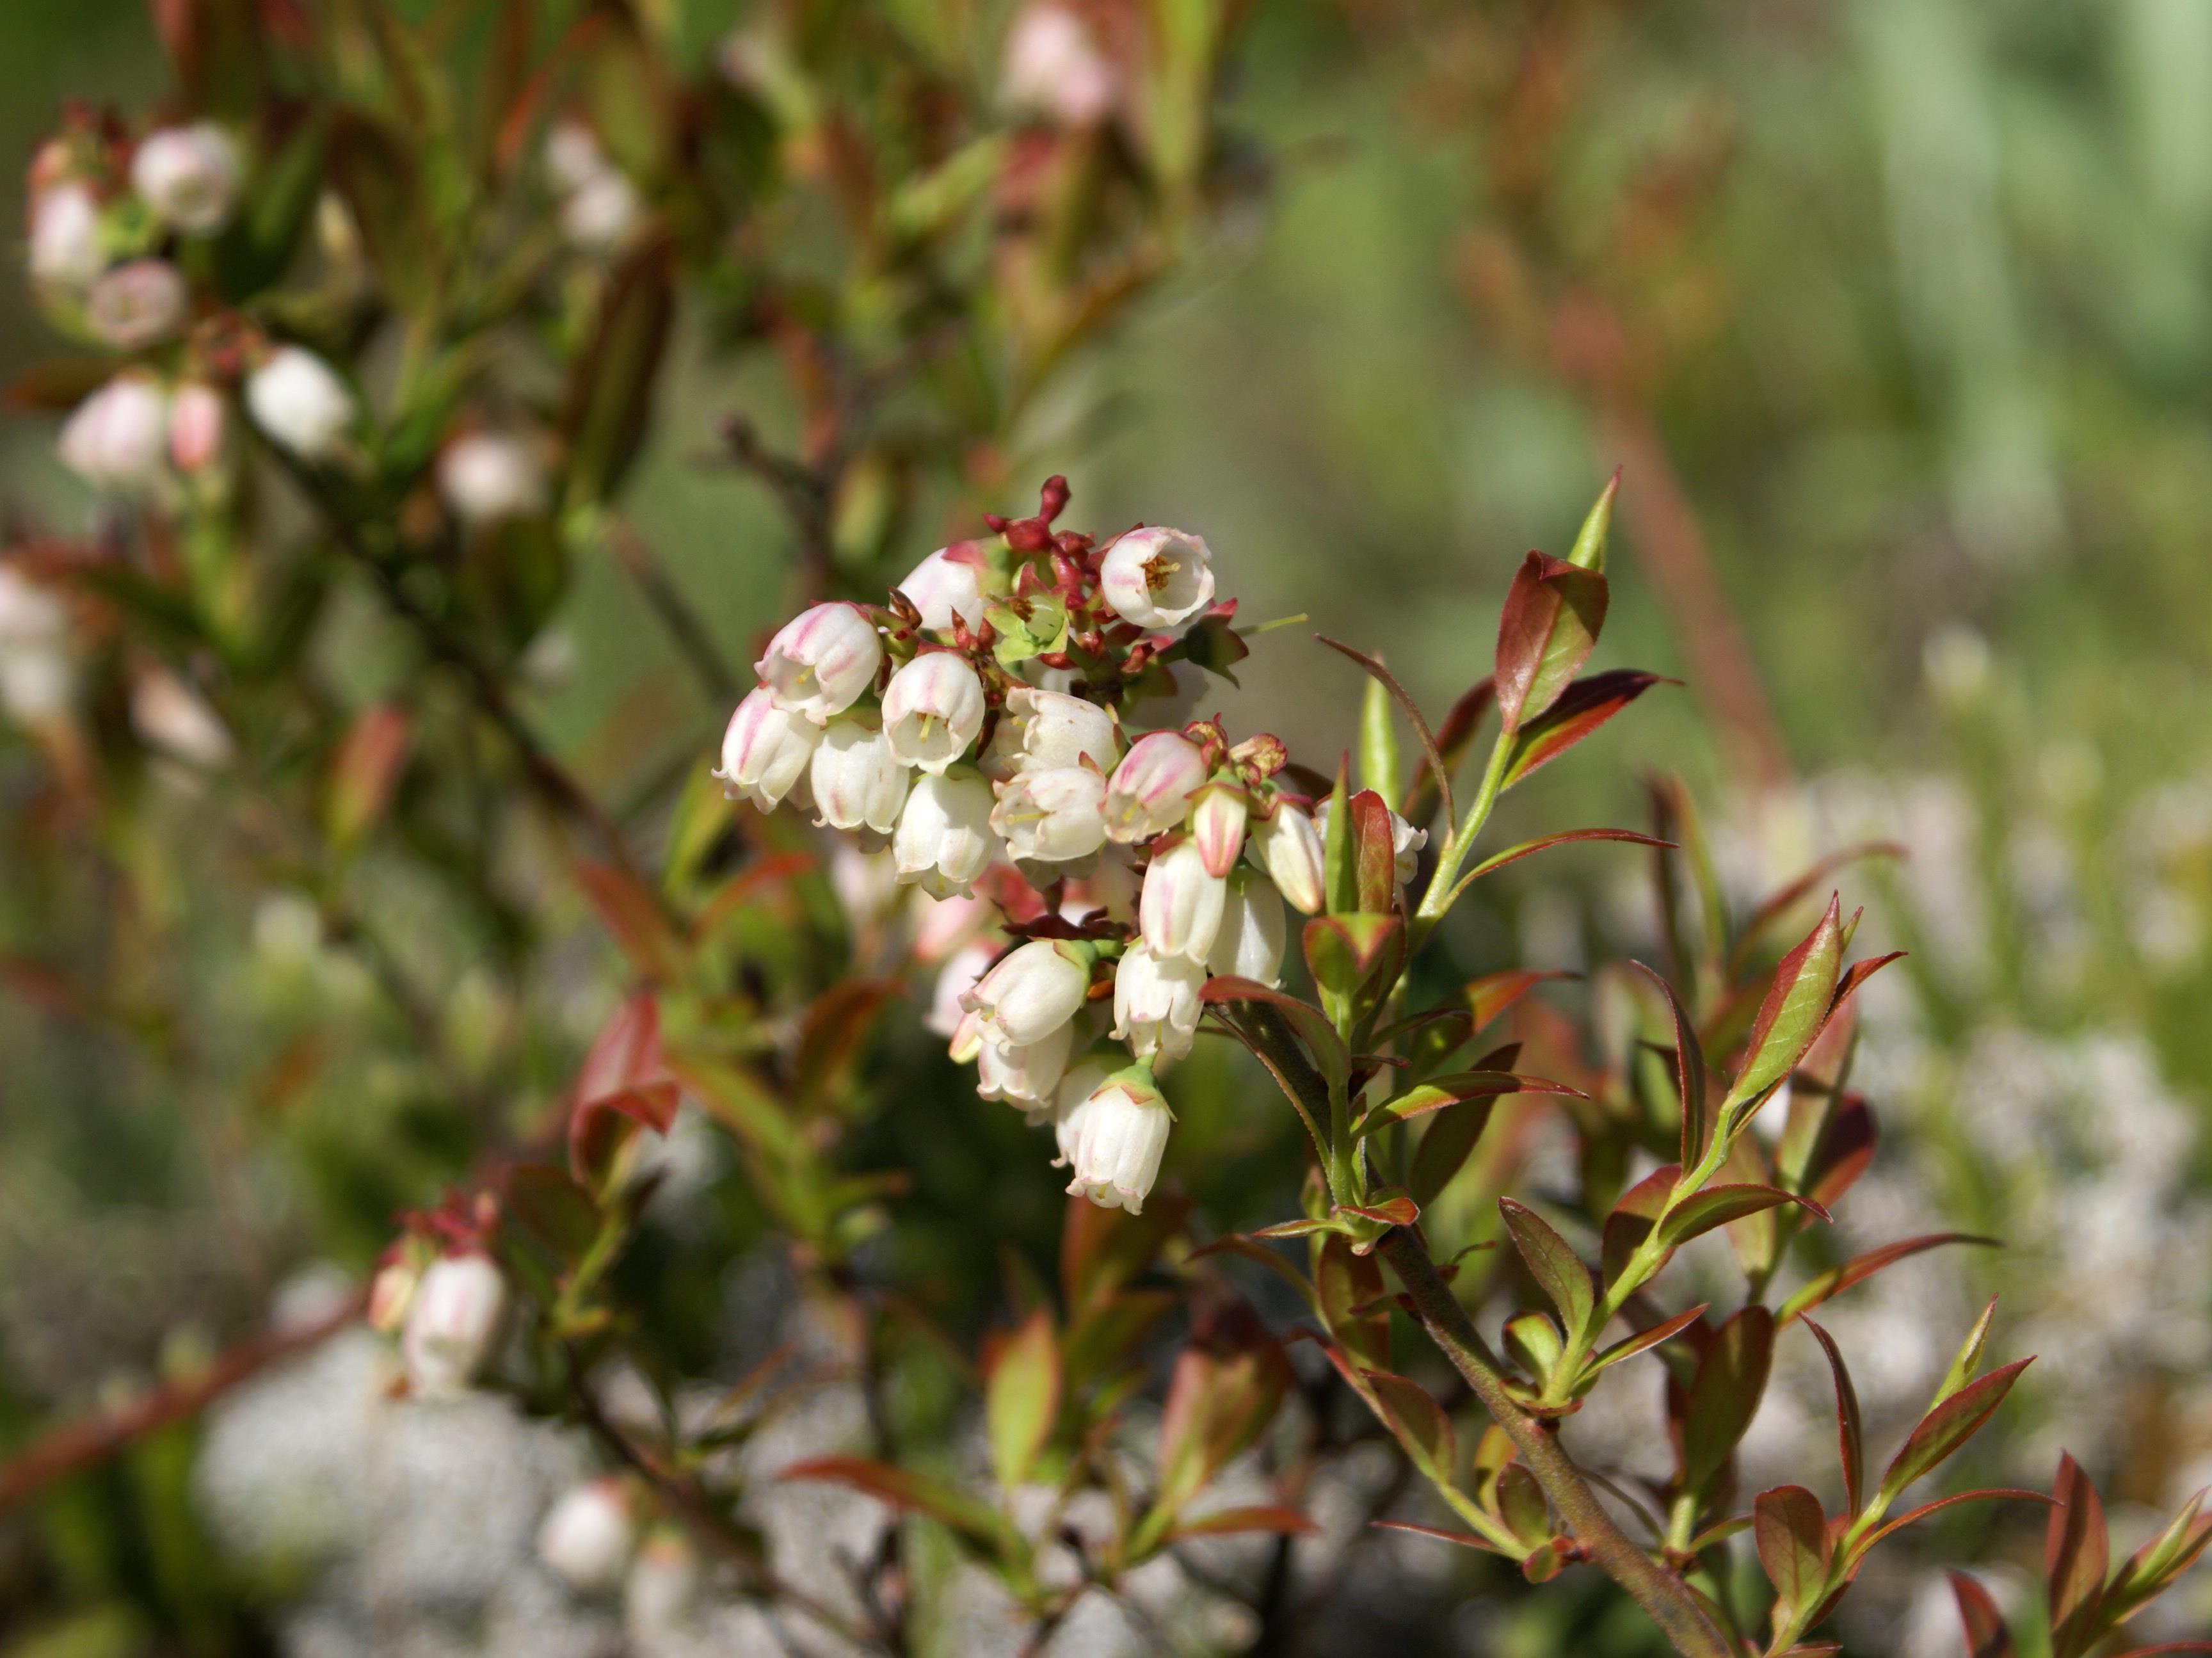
(635,554)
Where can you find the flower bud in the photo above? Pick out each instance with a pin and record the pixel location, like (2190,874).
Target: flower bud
(944,586)
(197,421)
(857,781)
(821,661)
(662,1588)
(1046,731)
(1405,843)
(453,1324)
(1054,67)
(1249,944)
(485,476)
(189,176)
(945,839)
(1077,1084)
(962,971)
(1150,791)
(1156,1004)
(1027,1075)
(116,440)
(573,156)
(765,751)
(391,1291)
(36,677)
(174,720)
(66,248)
(1288,847)
(942,925)
(1158,577)
(1114,1138)
(300,402)
(1180,910)
(587,1536)
(1052,816)
(1216,826)
(598,218)
(137,305)
(932,710)
(1034,991)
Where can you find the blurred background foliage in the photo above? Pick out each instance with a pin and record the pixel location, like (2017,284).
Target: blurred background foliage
(1903,307)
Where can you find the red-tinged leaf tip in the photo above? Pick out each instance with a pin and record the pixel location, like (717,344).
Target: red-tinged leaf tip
(1791,1534)
(1851,1429)
(1464,1540)
(2077,1551)
(1283,1523)
(1986,1636)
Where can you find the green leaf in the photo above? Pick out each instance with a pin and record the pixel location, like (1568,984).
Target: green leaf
(1724,1395)
(374,169)
(917,1493)
(1717,1205)
(1796,1005)
(1633,1218)
(1226,1523)
(1554,1264)
(1588,550)
(1644,1340)
(1522,1506)
(1378,742)
(1314,1030)
(1791,1534)
(1446,1144)
(1534,1340)
(1454,1090)
(1552,618)
(1339,879)
(1343,1283)
(1418,1421)
(1345,951)
(2077,1552)
(1948,1426)
(1021,1398)
(1826,1286)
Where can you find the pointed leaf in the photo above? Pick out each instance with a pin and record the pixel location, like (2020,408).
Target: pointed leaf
(1588,706)
(1796,1004)
(1921,1513)
(1554,1263)
(1021,1398)
(1724,1395)
(1446,1144)
(1514,854)
(1453,1090)
(1716,1205)
(2076,1554)
(1344,1282)
(1948,1426)
(1986,1636)
(1850,1428)
(1431,757)
(1453,737)
(1465,1540)
(1633,1218)
(1314,1030)
(903,1488)
(1791,1534)
(1224,1522)
(1692,1082)
(1644,1340)
(1552,618)
(1825,1286)
(1490,996)
(1418,1421)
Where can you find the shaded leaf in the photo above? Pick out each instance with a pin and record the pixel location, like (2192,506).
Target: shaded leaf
(1418,1421)
(1693,1083)
(1588,705)
(1633,1218)
(1021,1397)
(1986,1636)
(1283,1523)
(1644,1340)
(2077,1553)
(1554,1263)
(1724,1395)
(1791,1534)
(1344,1283)
(903,1488)
(1942,1502)
(1311,1025)
(1465,1540)
(1850,1427)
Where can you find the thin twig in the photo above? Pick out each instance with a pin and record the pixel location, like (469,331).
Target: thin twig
(635,554)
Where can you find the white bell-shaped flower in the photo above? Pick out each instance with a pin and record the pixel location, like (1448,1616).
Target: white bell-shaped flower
(949,583)
(486,476)
(821,661)
(765,751)
(962,971)
(1026,1074)
(1158,577)
(1288,846)
(298,400)
(1033,991)
(856,781)
(453,1323)
(1180,910)
(1155,1004)
(117,438)
(1150,789)
(138,305)
(189,175)
(588,1534)
(1054,67)
(1114,1139)
(933,709)
(66,247)
(1052,816)
(945,839)
(1249,944)
(1050,731)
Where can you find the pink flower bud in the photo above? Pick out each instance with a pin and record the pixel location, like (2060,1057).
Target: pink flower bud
(1250,943)
(932,710)
(1155,1006)
(945,585)
(1179,911)
(66,248)
(197,421)
(765,751)
(857,782)
(1158,577)
(821,661)
(587,1536)
(1114,1139)
(945,839)
(1405,843)
(1150,789)
(137,305)
(486,476)
(1027,1076)
(453,1326)
(298,400)
(1052,816)
(174,720)
(117,438)
(1033,992)
(189,176)
(1054,66)
(1216,826)
(1289,847)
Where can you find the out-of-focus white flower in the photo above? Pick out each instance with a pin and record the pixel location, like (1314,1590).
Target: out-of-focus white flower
(65,238)
(485,476)
(1054,66)
(172,718)
(857,782)
(599,216)
(573,156)
(942,925)
(587,1535)
(1406,842)
(453,1325)
(1158,577)
(1149,791)
(945,585)
(137,305)
(765,751)
(189,176)
(1052,816)
(1179,911)
(1111,884)
(117,437)
(866,884)
(198,419)
(300,402)
(821,660)
(1249,944)
(963,971)
(391,1291)
(1155,1006)
(1036,988)
(1216,826)
(1288,846)
(932,710)
(1024,1074)
(36,679)
(1050,731)
(662,1588)
(1114,1139)
(945,839)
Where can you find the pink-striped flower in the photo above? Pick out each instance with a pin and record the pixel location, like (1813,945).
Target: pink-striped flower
(1149,791)
(1158,577)
(821,661)
(1216,826)
(1288,847)
(932,709)
(1180,909)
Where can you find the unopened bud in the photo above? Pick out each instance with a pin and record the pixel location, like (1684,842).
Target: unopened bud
(587,1536)
(1289,847)
(1405,843)
(486,476)
(197,421)
(1217,827)
(1054,66)
(300,402)
(174,720)
(454,1324)
(1249,944)
(1179,911)
(137,305)
(66,248)
(189,176)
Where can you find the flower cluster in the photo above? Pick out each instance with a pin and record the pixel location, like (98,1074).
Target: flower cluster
(974,724)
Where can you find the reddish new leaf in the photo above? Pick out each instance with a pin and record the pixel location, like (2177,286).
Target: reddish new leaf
(1490,996)
(1826,1286)
(1692,1084)
(2076,1555)
(1527,848)
(1431,759)
(1791,1534)
(1986,1635)
(1717,1205)
(1949,1425)
(1549,624)
(903,1488)
(1851,1429)
(1644,1340)
(1283,1523)
(1465,1540)
(1724,1395)
(1588,706)
(1942,1502)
